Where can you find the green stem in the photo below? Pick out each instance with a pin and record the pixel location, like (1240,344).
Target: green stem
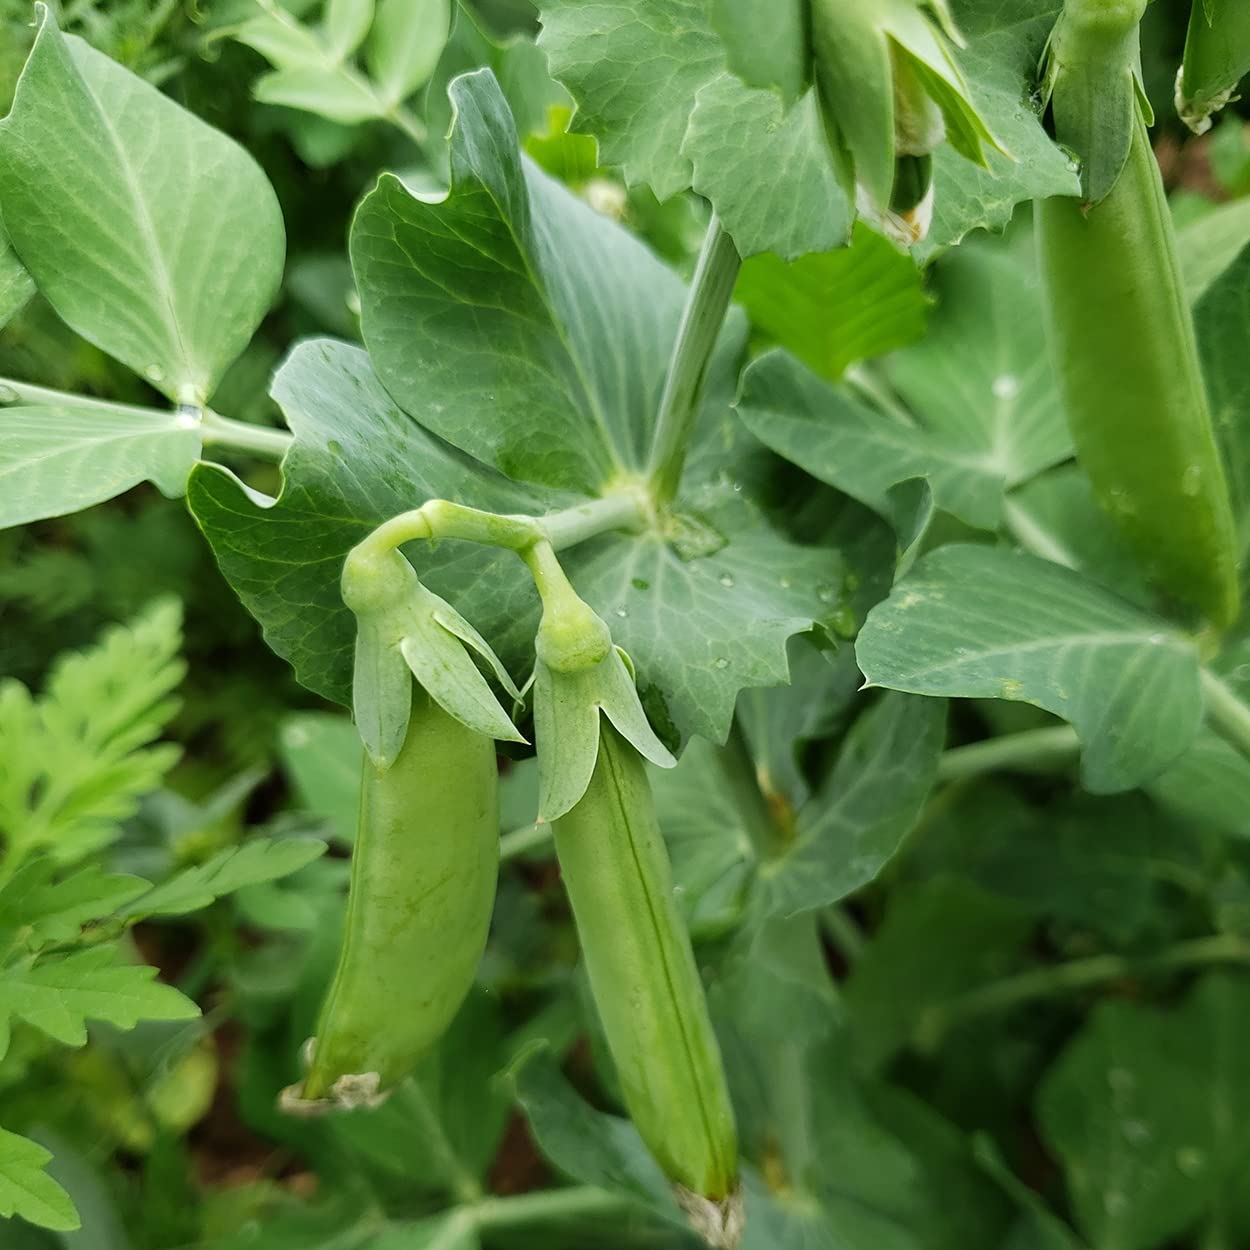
(216,430)
(547,1206)
(741,777)
(521,841)
(1228,715)
(706,306)
(1077,974)
(1034,750)
(615,511)
(411,126)
(259,440)
(842,931)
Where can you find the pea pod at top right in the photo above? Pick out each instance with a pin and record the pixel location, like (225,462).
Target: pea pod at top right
(1119,327)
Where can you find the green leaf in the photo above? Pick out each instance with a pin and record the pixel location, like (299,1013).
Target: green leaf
(766,44)
(1004,44)
(454,1230)
(407,40)
(987,414)
(59,995)
(16,285)
(55,910)
(1148,1113)
(1208,787)
(26,1190)
(1222,321)
(322,756)
(483,311)
(1208,245)
(255,861)
(346,24)
(984,622)
(74,763)
(589,1145)
(832,309)
(153,235)
(59,460)
(851,829)
(282,40)
(330,91)
(939,940)
(652,81)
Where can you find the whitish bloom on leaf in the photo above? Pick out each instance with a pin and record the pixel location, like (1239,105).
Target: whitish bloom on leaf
(891,94)
(404,630)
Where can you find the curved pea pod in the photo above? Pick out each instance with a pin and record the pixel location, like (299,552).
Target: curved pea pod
(1119,327)
(1217,58)
(424,868)
(647,988)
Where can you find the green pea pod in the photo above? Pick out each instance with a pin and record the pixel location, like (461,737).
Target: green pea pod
(1217,58)
(647,989)
(1121,331)
(424,868)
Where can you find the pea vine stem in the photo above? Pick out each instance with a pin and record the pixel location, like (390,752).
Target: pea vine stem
(701,322)
(215,430)
(1228,715)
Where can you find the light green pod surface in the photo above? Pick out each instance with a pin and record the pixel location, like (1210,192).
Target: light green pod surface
(643,974)
(1124,346)
(424,869)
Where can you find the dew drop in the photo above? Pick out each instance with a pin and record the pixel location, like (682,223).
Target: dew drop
(154,373)
(826,594)
(9,396)
(726,579)
(639,583)
(1191,480)
(721,662)
(622,612)
(785,583)
(187,419)
(334,447)
(1006,386)
(1157,640)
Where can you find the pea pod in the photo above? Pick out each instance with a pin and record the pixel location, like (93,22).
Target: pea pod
(647,988)
(424,868)
(1119,327)
(1217,58)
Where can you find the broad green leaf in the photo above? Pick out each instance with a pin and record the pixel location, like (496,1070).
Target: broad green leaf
(74,763)
(1148,1112)
(1004,44)
(766,44)
(939,940)
(59,460)
(321,754)
(985,622)
(1056,516)
(154,236)
(16,285)
(405,44)
(767,169)
(59,995)
(851,829)
(26,1189)
(1208,245)
(1222,320)
(980,386)
(493,308)
(255,861)
(333,92)
(41,906)
(346,24)
(1209,786)
(282,40)
(832,309)
(654,81)
(593,1147)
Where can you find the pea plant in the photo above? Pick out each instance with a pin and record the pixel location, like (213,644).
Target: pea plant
(848,605)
